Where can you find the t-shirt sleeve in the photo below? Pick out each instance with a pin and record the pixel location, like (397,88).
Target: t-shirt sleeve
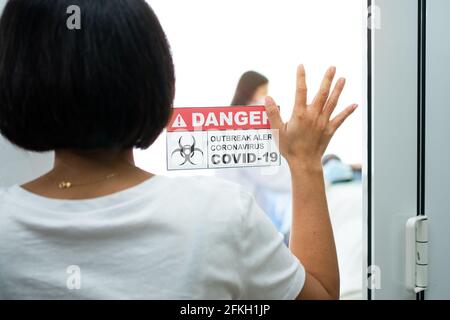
(269,269)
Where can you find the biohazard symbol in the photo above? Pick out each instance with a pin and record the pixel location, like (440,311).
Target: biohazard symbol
(187,151)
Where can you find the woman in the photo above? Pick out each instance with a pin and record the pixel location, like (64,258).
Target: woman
(270,187)
(98,227)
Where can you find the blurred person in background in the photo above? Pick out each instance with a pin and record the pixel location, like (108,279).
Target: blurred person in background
(252,89)
(270,186)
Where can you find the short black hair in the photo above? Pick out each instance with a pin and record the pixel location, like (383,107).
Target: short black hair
(108,85)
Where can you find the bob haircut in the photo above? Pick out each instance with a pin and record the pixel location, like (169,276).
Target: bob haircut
(108,85)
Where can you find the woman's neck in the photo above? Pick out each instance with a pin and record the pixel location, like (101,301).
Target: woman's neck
(92,161)
(88,174)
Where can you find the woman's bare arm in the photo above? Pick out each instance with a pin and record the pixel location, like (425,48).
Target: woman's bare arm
(303,141)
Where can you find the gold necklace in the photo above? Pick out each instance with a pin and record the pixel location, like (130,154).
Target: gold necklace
(69,184)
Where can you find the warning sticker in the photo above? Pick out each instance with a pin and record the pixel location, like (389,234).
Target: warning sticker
(225,137)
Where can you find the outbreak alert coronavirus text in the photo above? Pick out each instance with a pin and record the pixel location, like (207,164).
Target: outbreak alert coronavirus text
(221,137)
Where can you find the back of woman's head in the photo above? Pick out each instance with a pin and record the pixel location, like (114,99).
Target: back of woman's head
(109,84)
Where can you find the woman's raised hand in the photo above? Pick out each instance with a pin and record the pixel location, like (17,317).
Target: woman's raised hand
(305,137)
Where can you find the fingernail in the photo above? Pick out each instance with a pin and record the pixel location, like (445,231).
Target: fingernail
(355,106)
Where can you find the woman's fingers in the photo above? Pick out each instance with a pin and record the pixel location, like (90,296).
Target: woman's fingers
(334,98)
(273,113)
(340,118)
(324,92)
(302,89)
(323,102)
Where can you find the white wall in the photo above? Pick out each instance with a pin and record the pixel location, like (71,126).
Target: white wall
(18,166)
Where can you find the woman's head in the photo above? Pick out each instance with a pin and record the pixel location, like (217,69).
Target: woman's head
(109,85)
(252,89)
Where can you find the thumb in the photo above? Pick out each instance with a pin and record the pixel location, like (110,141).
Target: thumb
(273,113)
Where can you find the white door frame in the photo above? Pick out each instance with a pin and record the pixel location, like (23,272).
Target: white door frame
(391,161)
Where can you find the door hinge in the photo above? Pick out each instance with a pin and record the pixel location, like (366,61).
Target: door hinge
(417,254)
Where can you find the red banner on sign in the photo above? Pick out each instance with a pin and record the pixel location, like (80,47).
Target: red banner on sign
(221,118)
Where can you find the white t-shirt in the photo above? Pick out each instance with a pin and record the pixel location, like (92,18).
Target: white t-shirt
(166,238)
